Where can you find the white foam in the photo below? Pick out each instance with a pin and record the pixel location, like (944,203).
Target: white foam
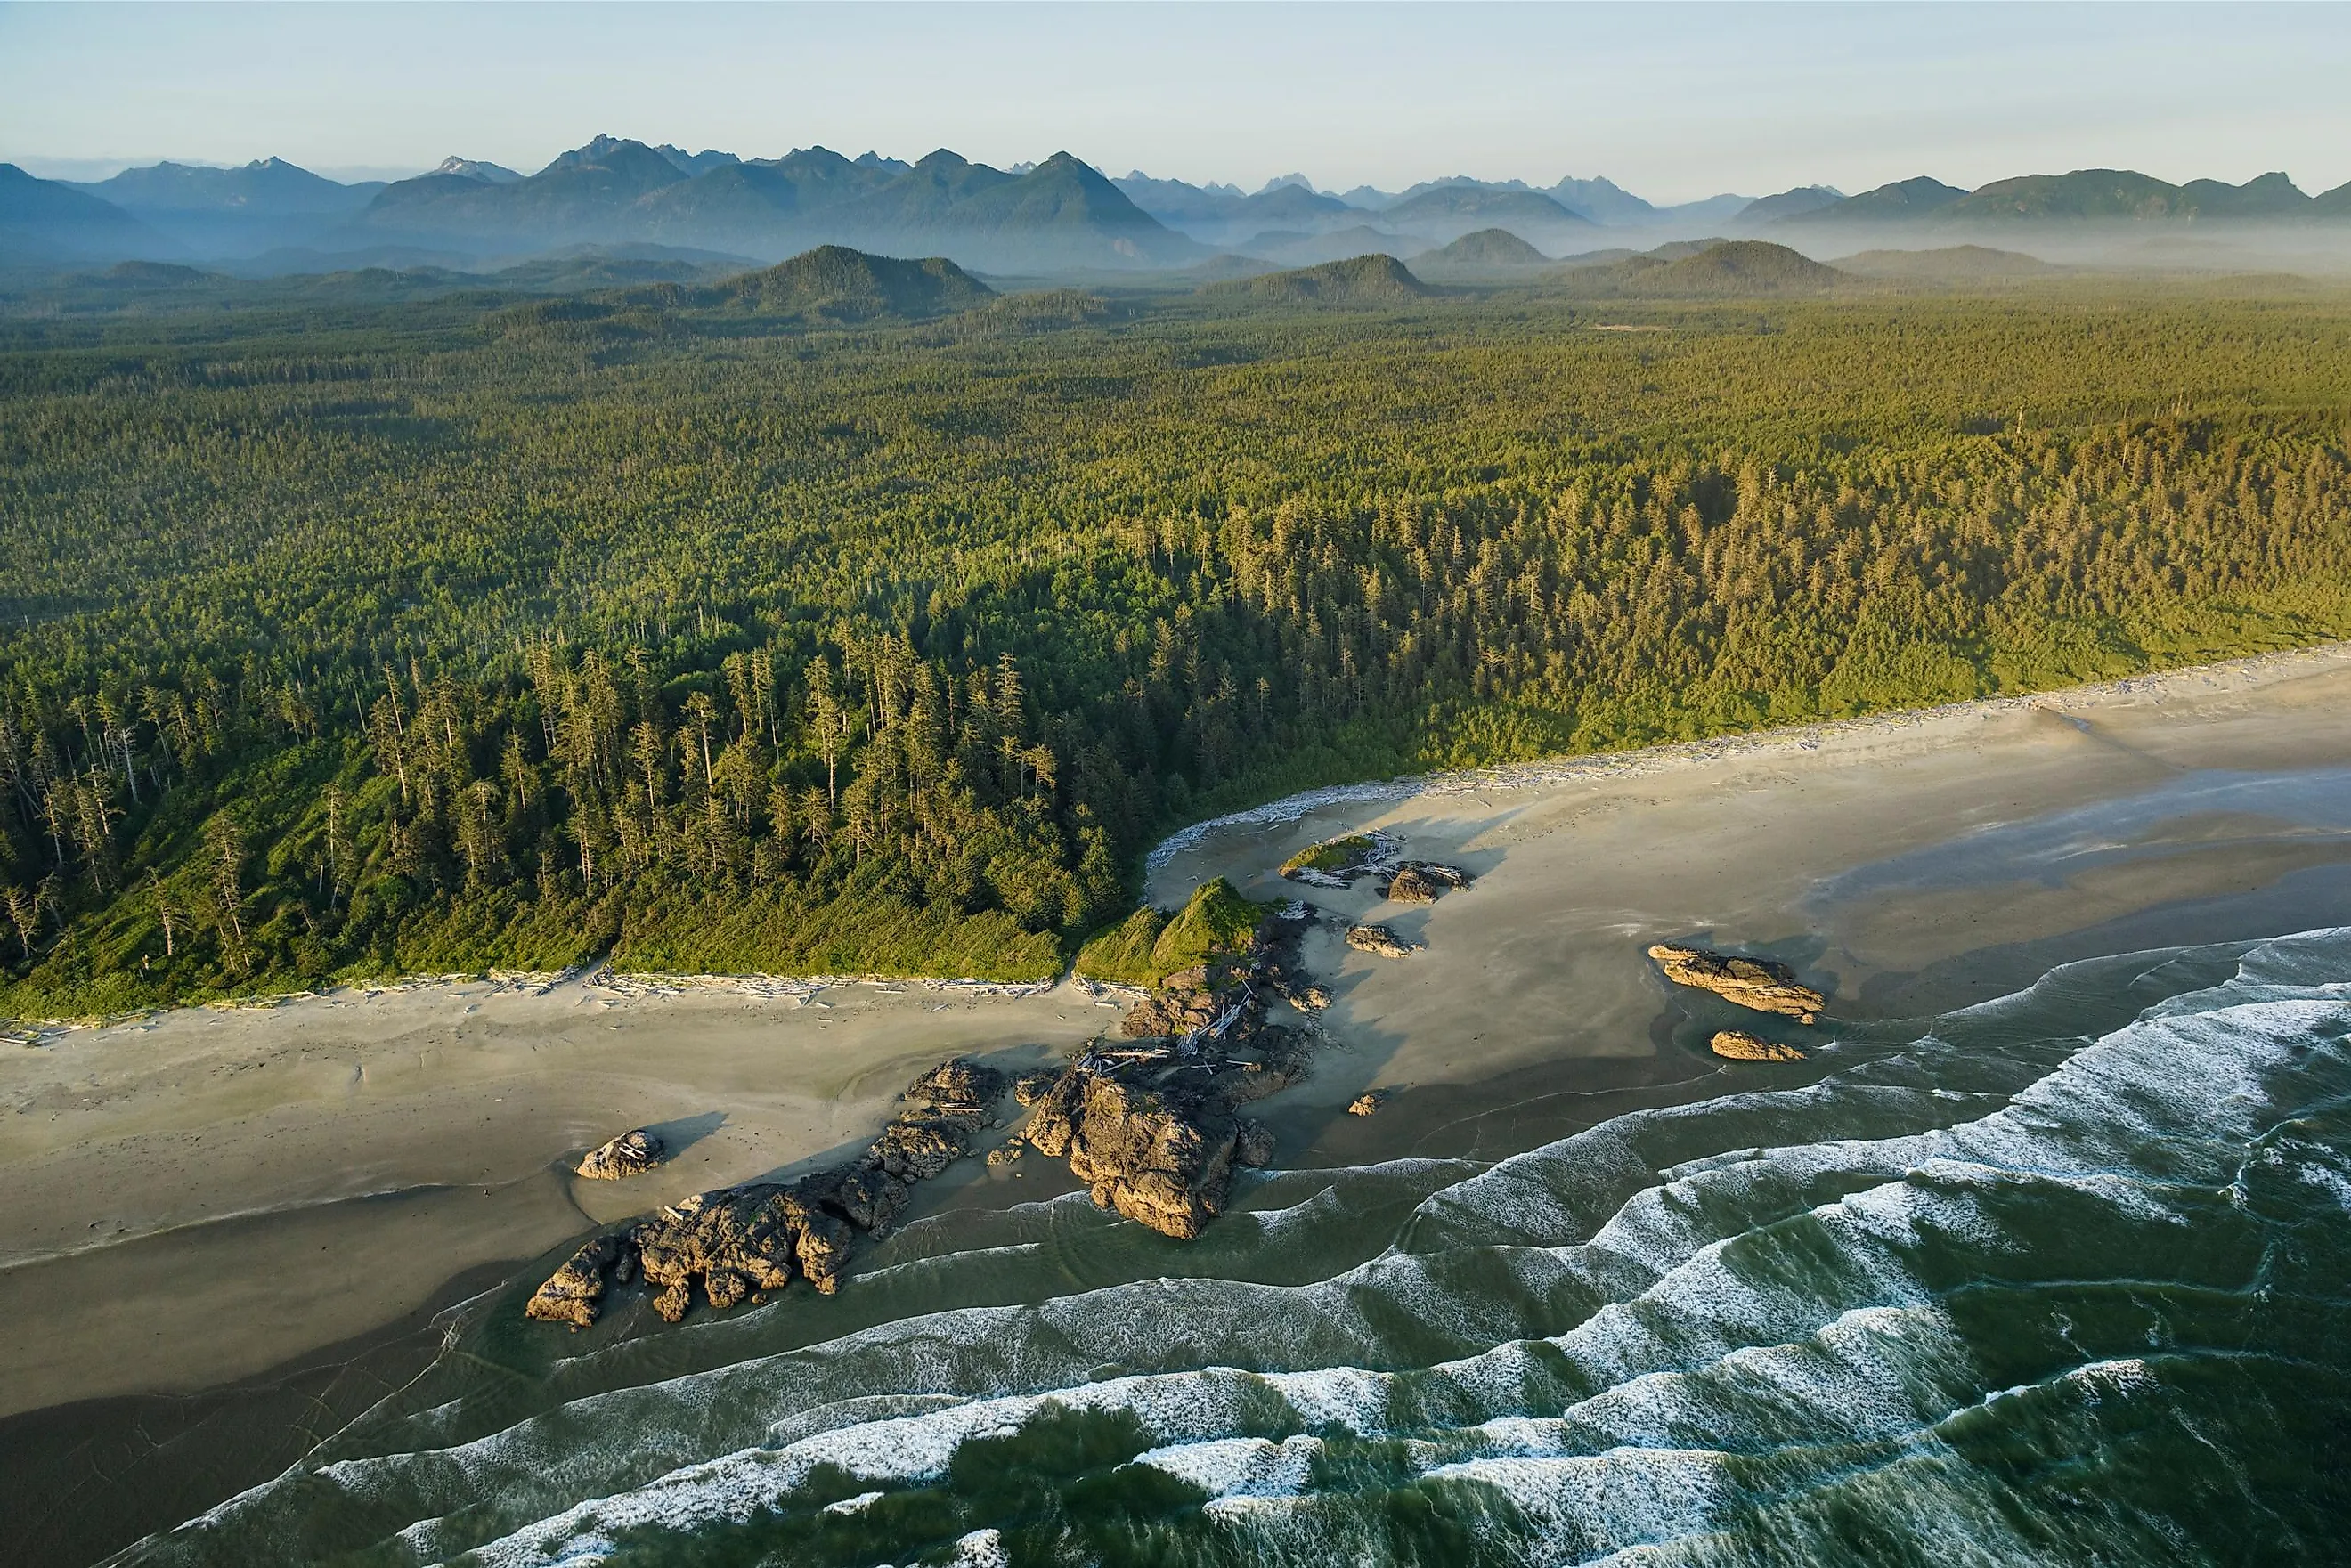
(1704,1318)
(1240,1466)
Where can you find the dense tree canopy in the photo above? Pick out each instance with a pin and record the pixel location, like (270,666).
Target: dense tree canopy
(431,635)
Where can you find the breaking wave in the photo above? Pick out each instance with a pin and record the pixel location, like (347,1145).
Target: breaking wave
(2057,1279)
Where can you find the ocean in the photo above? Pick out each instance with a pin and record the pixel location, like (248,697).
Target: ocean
(2060,1278)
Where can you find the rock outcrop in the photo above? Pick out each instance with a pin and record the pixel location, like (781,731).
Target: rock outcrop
(1737,1045)
(631,1154)
(1423,882)
(745,1241)
(1762,983)
(1337,863)
(1153,1128)
(571,1293)
(1378,939)
(1367,1103)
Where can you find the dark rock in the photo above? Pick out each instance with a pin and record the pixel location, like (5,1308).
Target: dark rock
(867,1197)
(1162,1163)
(745,1241)
(631,1154)
(1253,1144)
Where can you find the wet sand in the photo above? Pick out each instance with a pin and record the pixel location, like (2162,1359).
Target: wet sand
(202,1197)
(1904,866)
(198,1196)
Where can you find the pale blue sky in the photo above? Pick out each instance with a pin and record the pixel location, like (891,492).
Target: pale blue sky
(1672,100)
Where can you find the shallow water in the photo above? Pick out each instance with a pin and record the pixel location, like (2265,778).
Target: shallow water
(2058,1278)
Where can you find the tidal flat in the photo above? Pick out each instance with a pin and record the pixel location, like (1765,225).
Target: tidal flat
(214,1206)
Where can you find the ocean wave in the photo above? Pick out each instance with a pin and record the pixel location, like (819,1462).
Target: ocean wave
(1672,1335)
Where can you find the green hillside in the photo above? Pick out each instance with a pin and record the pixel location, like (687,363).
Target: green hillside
(1486,248)
(353,631)
(2084,196)
(833,283)
(1358,280)
(1900,201)
(1723,269)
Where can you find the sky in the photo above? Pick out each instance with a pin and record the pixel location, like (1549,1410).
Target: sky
(1674,102)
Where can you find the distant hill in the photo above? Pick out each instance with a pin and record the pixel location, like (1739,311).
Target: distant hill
(1044,310)
(1788,204)
(1901,201)
(1308,249)
(477,169)
(2085,196)
(1446,212)
(834,283)
(1061,214)
(149,275)
(1218,269)
(265,204)
(1741,268)
(1603,201)
(1956,262)
(1485,248)
(1358,280)
(1221,215)
(267,187)
(1177,203)
(2085,193)
(46,221)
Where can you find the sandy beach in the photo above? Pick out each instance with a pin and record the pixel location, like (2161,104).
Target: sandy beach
(202,1196)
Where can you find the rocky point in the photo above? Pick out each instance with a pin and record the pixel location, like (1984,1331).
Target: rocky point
(1763,984)
(742,1242)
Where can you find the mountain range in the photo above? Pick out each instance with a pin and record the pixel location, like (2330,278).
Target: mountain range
(1061,216)
(2084,196)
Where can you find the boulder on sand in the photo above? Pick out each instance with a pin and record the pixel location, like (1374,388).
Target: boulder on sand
(1737,1045)
(1378,939)
(1420,882)
(743,1241)
(631,1154)
(1762,983)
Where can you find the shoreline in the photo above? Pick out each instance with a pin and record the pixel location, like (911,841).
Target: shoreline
(1535,774)
(208,1193)
(1567,767)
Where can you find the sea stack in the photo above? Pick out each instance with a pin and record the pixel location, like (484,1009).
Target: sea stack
(1763,984)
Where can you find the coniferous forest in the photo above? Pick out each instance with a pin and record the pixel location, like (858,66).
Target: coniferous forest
(347,636)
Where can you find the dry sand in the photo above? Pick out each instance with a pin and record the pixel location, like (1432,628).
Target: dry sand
(398,1139)
(390,1142)
(1905,864)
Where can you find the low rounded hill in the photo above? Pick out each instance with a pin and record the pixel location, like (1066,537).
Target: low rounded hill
(1484,248)
(1946,262)
(1728,269)
(834,283)
(1358,280)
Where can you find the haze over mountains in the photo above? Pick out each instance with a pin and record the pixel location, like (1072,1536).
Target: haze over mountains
(1057,217)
